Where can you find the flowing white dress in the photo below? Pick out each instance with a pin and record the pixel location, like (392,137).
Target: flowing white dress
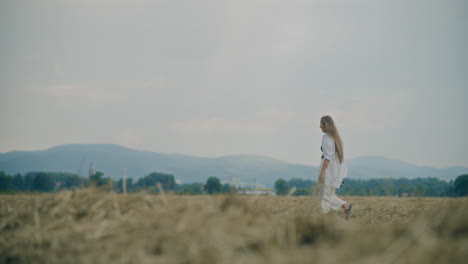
(334,176)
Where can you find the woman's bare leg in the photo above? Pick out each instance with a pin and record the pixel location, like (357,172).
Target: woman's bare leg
(346,206)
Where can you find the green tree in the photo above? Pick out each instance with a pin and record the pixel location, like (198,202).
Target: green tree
(213,185)
(167,181)
(18,183)
(106,182)
(96,178)
(119,185)
(43,183)
(5,182)
(130,185)
(450,189)
(28,181)
(226,188)
(461,185)
(192,188)
(281,187)
(300,183)
(301,192)
(72,181)
(388,187)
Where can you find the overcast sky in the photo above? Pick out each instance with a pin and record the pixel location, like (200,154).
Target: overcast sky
(213,78)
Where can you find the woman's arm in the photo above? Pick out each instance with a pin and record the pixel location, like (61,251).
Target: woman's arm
(321,178)
(328,151)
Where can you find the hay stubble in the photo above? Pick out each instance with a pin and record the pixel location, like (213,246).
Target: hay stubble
(90,226)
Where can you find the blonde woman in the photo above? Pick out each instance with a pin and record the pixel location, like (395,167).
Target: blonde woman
(332,168)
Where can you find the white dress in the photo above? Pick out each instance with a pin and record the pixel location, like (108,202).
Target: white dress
(334,176)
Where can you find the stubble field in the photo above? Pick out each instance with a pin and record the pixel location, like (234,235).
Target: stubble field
(92,226)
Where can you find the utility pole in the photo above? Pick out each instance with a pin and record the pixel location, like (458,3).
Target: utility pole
(91,169)
(124,182)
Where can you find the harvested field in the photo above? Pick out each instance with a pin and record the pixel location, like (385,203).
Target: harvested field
(91,226)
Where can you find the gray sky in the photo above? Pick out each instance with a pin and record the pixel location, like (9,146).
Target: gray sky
(212,78)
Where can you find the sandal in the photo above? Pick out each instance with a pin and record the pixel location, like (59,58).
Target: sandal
(348,211)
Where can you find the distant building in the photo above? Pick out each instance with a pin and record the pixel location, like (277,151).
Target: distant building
(258,191)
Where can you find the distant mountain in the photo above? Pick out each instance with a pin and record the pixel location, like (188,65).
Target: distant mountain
(113,159)
(380,167)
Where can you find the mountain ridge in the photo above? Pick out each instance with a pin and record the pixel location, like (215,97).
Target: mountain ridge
(112,159)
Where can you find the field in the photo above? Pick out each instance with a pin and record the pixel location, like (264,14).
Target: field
(92,226)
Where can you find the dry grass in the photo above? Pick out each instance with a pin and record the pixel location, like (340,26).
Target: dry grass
(90,226)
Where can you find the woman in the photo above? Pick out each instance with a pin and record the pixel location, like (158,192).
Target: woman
(332,168)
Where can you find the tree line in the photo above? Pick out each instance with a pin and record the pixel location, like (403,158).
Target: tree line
(427,187)
(56,181)
(40,181)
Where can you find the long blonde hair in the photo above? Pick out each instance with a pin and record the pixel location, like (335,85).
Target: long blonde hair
(332,131)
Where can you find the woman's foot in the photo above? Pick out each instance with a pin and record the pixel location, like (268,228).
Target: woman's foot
(347,209)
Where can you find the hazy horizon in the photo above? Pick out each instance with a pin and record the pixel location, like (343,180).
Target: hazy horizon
(229,155)
(213,78)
